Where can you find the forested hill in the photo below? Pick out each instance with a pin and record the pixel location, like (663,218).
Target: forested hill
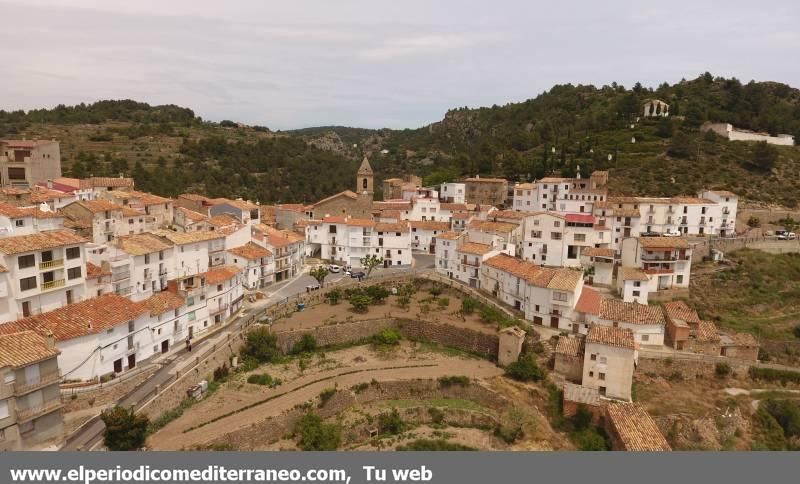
(169,150)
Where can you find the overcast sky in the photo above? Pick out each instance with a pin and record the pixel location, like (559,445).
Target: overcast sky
(394,63)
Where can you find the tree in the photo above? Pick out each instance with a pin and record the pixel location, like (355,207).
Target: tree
(360,302)
(316,435)
(371,261)
(124,429)
(377,293)
(391,423)
(319,273)
(764,156)
(681,146)
(261,345)
(664,128)
(525,369)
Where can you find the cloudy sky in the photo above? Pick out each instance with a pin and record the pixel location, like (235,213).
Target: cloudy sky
(374,63)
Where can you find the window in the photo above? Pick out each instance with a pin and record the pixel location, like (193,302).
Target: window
(560,296)
(27,283)
(557,223)
(19,223)
(26,309)
(602,390)
(679,279)
(73,252)
(3,409)
(73,272)
(536,308)
(536,234)
(591,373)
(580,237)
(131,326)
(25,261)
(192,316)
(219,287)
(555,235)
(635,293)
(645,337)
(593,357)
(602,376)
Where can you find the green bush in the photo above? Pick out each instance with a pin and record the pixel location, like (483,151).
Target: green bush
(360,387)
(377,293)
(306,344)
(260,345)
(326,395)
(387,336)
(509,432)
(582,419)
(262,379)
(525,369)
(316,435)
(444,302)
(722,370)
(589,439)
(786,413)
(124,430)
(403,301)
(468,305)
(333,296)
(436,290)
(771,374)
(449,381)
(221,373)
(391,423)
(437,416)
(360,302)
(428,445)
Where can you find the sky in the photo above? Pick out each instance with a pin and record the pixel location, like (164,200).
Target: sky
(376,63)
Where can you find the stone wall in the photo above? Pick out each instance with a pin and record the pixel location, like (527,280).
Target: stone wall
(569,366)
(275,428)
(335,334)
(105,394)
(452,336)
(687,369)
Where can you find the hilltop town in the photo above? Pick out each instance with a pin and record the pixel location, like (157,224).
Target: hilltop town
(113,297)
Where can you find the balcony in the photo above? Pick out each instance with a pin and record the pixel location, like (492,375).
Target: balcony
(124,291)
(469,263)
(47,286)
(21,388)
(659,258)
(219,309)
(39,410)
(50,264)
(120,276)
(6,390)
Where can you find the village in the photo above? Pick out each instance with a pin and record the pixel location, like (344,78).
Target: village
(110,295)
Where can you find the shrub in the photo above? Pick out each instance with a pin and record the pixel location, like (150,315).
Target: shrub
(360,387)
(525,369)
(391,423)
(436,290)
(387,336)
(753,222)
(722,370)
(468,305)
(306,344)
(509,432)
(360,302)
(403,301)
(449,381)
(786,413)
(444,302)
(428,445)
(491,314)
(260,345)
(261,379)
(437,416)
(316,435)
(770,374)
(124,429)
(582,419)
(377,293)
(408,289)
(326,395)
(333,296)
(589,439)
(221,373)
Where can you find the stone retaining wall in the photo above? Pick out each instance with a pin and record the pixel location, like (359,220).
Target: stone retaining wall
(687,369)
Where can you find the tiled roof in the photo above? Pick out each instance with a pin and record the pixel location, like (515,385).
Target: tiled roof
(42,194)
(242,204)
(724,193)
(486,180)
(637,431)
(282,238)
(430,225)
(83,318)
(194,197)
(598,252)
(454,206)
(162,302)
(570,346)
(130,212)
(663,243)
(250,251)
(360,222)
(11,211)
(141,244)
(610,336)
(182,238)
(448,235)
(26,143)
(103,181)
(490,226)
(221,274)
(25,348)
(633,274)
(547,277)
(631,312)
(589,302)
(192,215)
(474,248)
(508,214)
(581,394)
(392,205)
(391,227)
(39,241)
(462,215)
(692,201)
(97,206)
(222,220)
(565,279)
(681,310)
(94,271)
(707,332)
(346,193)
(579,218)
(149,198)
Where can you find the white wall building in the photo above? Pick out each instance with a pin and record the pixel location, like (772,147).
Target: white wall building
(452,192)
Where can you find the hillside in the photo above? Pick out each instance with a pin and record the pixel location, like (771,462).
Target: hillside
(169,150)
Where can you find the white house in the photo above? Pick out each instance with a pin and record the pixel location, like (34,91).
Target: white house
(256,262)
(666,261)
(452,192)
(394,242)
(424,232)
(608,361)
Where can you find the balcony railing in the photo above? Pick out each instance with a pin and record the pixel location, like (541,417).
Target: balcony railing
(39,410)
(21,388)
(219,309)
(46,286)
(49,264)
(119,276)
(124,291)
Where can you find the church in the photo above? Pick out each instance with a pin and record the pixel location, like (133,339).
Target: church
(357,204)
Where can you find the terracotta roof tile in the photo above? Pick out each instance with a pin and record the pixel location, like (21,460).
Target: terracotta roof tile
(565,279)
(25,348)
(707,332)
(97,206)
(162,302)
(492,227)
(633,274)
(392,227)
(94,271)
(221,274)
(11,211)
(570,346)
(39,241)
(637,431)
(598,252)
(141,244)
(192,215)
(631,312)
(589,302)
(474,248)
(449,236)
(347,193)
(610,336)
(430,225)
(251,251)
(182,238)
(663,243)
(681,310)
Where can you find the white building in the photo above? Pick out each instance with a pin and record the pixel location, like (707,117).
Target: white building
(731,133)
(608,361)
(730,205)
(452,192)
(424,232)
(40,272)
(256,262)
(394,242)
(24,221)
(151,263)
(225,292)
(665,261)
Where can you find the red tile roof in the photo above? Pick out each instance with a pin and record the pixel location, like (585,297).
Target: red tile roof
(221,274)
(637,431)
(250,251)
(94,271)
(162,302)
(39,241)
(25,348)
(589,302)
(580,218)
(611,336)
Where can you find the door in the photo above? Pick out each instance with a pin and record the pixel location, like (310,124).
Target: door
(164,346)
(31,374)
(118,366)
(191,332)
(553,322)
(131,362)
(574,328)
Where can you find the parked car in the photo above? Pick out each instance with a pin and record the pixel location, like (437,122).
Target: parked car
(649,234)
(357,274)
(333,268)
(312,287)
(672,233)
(787,236)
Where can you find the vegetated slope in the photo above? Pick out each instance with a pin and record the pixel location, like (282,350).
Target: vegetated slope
(169,150)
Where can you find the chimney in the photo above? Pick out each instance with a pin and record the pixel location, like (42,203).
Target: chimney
(51,339)
(50,184)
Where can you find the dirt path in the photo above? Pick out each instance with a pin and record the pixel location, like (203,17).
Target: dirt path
(176,435)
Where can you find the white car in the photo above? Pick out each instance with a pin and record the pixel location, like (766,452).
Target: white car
(787,236)
(334,269)
(312,287)
(672,233)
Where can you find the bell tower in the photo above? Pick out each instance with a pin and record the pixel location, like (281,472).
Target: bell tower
(364,180)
